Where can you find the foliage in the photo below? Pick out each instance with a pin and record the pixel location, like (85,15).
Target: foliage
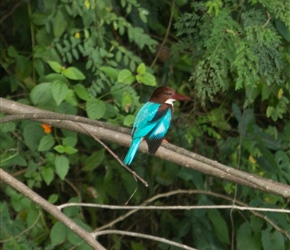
(91,58)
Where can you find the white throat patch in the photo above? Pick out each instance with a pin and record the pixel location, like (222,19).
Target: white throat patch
(170,101)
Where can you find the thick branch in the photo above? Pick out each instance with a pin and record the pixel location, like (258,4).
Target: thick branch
(53,210)
(168,152)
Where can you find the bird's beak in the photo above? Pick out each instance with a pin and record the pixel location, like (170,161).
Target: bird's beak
(179,97)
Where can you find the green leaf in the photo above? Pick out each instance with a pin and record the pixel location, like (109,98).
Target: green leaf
(246,239)
(61,166)
(47,174)
(129,120)
(55,66)
(55,77)
(110,72)
(57,234)
(59,24)
(7,127)
(282,29)
(70,150)
(118,56)
(143,15)
(12,52)
(46,143)
(32,134)
(69,141)
(38,66)
(236,111)
(256,224)
(75,54)
(220,226)
(59,91)
(125,76)
(95,108)
(132,66)
(71,98)
(141,69)
(53,198)
(41,95)
(32,213)
(94,160)
(111,111)
(282,159)
(59,148)
(148,79)
(247,121)
(73,73)
(272,240)
(69,57)
(81,92)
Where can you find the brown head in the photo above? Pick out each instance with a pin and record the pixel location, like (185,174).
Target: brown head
(167,95)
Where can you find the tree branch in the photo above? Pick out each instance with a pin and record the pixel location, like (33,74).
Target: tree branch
(169,152)
(53,210)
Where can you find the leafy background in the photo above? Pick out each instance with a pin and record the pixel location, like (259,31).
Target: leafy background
(102,59)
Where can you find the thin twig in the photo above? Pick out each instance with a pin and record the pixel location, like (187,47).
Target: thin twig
(144,236)
(268,19)
(135,175)
(177,207)
(166,34)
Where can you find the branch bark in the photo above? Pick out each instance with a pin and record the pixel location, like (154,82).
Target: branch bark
(119,135)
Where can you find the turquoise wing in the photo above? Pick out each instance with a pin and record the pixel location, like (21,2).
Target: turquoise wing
(152,123)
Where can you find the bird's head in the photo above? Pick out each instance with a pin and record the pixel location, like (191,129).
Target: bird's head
(167,95)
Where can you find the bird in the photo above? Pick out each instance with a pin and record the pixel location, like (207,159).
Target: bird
(153,120)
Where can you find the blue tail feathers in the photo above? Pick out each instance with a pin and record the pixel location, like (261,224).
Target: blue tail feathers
(132,151)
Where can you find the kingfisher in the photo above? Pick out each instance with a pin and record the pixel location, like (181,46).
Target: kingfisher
(153,120)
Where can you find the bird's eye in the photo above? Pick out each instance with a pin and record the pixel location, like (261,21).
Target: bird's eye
(167,93)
